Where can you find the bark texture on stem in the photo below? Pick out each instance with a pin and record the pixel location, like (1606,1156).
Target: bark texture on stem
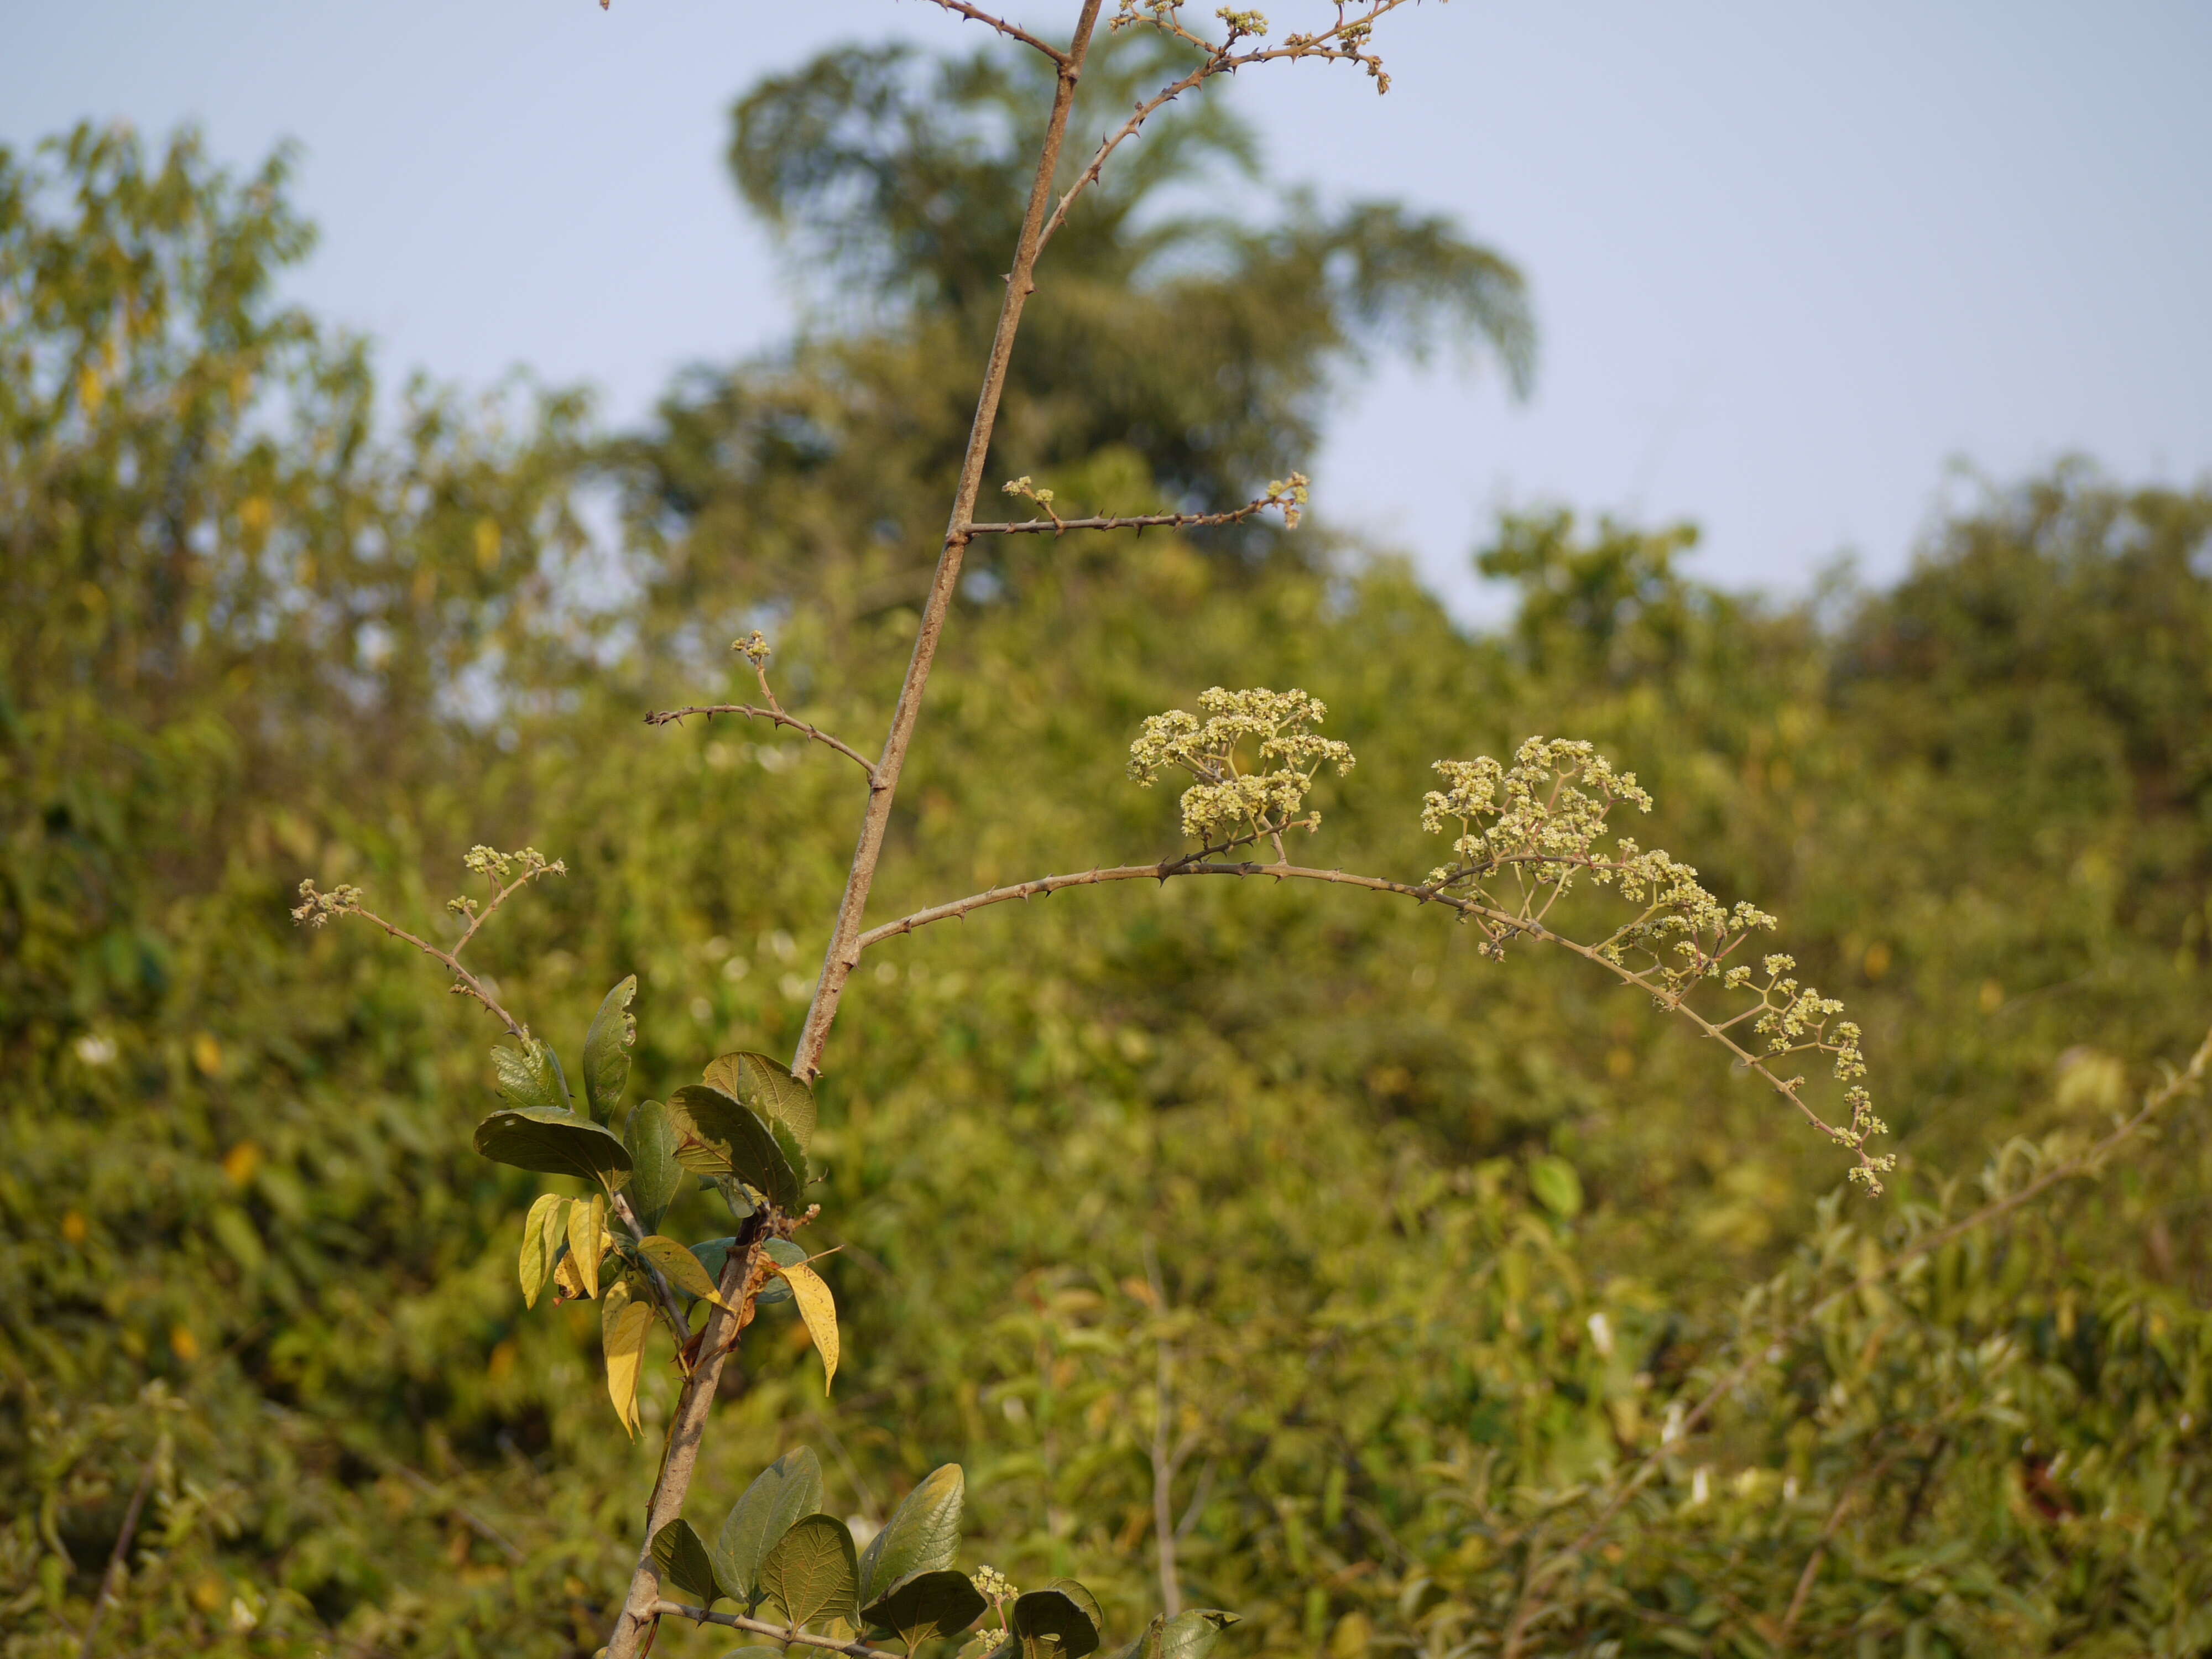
(634,1623)
(844,952)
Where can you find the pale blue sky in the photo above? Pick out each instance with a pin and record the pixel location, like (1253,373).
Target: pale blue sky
(1790,261)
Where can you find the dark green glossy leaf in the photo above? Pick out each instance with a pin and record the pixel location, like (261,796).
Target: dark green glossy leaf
(925,1606)
(787,1489)
(606,1050)
(769,1089)
(921,1536)
(655,1175)
(1082,1598)
(810,1573)
(551,1142)
(681,1555)
(719,1136)
(530,1077)
(1050,1625)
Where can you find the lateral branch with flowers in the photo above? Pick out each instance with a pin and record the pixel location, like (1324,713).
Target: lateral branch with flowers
(1527,833)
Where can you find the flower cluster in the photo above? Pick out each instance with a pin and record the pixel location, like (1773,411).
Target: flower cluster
(1528,832)
(753,648)
(1290,494)
(494,866)
(317,908)
(1241,797)
(993,1586)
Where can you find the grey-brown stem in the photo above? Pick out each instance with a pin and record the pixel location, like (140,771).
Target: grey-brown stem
(634,1623)
(883,785)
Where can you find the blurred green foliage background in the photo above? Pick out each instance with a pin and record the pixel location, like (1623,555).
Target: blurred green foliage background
(1436,1249)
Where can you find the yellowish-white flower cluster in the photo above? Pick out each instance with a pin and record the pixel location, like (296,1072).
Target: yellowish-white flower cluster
(494,866)
(1529,831)
(1255,755)
(316,907)
(993,1586)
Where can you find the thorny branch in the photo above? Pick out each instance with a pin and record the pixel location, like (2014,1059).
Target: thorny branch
(755,649)
(1289,494)
(1501,925)
(1345,42)
(316,909)
(2083,1162)
(977,15)
(840,956)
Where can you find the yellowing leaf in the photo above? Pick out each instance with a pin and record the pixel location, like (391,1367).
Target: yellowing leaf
(819,1310)
(536,1263)
(587,1240)
(623,1325)
(568,1281)
(680,1269)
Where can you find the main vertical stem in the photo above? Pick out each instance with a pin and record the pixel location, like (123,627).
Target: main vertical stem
(633,1625)
(838,961)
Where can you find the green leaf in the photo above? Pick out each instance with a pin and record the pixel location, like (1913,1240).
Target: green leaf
(606,1050)
(1191,1635)
(536,1263)
(530,1077)
(782,1492)
(769,1089)
(1557,1186)
(719,1136)
(1187,1635)
(794,1154)
(681,1555)
(810,1574)
(551,1142)
(921,1536)
(925,1606)
(1050,1625)
(1082,1598)
(655,1175)
(679,1267)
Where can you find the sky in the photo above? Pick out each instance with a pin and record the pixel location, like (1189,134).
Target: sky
(1804,272)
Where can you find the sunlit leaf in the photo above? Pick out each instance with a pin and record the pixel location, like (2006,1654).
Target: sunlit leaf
(530,1077)
(1557,1186)
(680,1267)
(655,1177)
(587,1239)
(768,1088)
(551,1142)
(781,1495)
(810,1573)
(819,1310)
(606,1050)
(922,1535)
(623,1324)
(718,1135)
(536,1264)
(681,1555)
